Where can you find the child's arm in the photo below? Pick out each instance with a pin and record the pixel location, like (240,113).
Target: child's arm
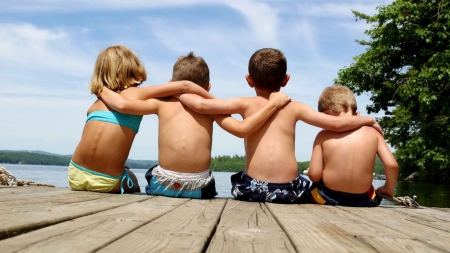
(333,123)
(129,106)
(172,88)
(123,105)
(210,106)
(390,167)
(249,125)
(315,170)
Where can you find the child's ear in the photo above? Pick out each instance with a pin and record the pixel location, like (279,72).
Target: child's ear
(286,80)
(170,80)
(249,80)
(208,87)
(357,113)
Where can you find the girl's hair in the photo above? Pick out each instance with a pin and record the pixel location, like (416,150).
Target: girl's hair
(117,67)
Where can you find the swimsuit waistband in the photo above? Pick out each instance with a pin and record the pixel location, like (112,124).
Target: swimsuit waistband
(182,176)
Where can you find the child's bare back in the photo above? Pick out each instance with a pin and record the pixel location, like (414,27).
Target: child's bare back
(342,164)
(184,137)
(349,159)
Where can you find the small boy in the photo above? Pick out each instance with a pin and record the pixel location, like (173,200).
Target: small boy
(342,164)
(271,168)
(185,137)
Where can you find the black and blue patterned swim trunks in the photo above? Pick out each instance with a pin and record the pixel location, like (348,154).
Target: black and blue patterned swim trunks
(249,189)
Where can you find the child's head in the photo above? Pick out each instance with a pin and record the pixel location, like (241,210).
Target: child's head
(336,99)
(191,68)
(267,69)
(117,67)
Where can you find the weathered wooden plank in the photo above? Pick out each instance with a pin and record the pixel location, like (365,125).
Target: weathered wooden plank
(442,209)
(398,221)
(248,227)
(185,229)
(19,217)
(311,232)
(92,232)
(19,193)
(374,234)
(426,214)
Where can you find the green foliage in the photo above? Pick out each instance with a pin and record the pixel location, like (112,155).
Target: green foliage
(228,163)
(17,157)
(32,158)
(406,69)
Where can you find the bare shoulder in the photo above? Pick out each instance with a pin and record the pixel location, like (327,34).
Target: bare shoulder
(369,131)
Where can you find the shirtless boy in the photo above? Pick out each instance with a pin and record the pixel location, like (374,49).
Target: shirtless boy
(185,137)
(342,164)
(271,168)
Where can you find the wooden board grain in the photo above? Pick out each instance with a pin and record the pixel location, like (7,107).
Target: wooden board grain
(20,216)
(375,234)
(310,230)
(248,227)
(187,228)
(391,218)
(92,232)
(17,194)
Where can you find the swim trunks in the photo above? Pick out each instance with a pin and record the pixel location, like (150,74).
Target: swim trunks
(126,120)
(180,185)
(82,179)
(322,195)
(249,189)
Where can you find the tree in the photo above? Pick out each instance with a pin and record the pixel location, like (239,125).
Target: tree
(406,69)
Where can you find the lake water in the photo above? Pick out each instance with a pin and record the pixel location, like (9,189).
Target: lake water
(431,195)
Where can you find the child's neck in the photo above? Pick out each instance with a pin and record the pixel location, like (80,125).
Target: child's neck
(263,93)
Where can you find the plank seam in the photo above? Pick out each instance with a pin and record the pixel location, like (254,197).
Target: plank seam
(213,231)
(26,229)
(281,226)
(136,228)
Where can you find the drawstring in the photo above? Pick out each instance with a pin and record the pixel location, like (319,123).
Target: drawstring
(130,183)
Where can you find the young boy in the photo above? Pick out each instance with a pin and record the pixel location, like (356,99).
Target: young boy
(185,137)
(271,168)
(342,163)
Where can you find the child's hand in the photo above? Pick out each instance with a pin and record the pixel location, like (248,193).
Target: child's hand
(378,128)
(384,189)
(279,99)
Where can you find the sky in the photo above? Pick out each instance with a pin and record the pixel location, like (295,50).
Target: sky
(48,49)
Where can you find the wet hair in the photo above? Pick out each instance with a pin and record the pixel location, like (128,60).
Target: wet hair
(267,68)
(337,98)
(191,68)
(117,67)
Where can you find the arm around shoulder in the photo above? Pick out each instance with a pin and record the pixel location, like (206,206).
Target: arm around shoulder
(249,125)
(328,122)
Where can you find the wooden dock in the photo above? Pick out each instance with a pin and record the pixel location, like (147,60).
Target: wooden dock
(41,219)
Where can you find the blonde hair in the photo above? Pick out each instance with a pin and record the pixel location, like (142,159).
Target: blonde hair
(337,98)
(191,68)
(117,67)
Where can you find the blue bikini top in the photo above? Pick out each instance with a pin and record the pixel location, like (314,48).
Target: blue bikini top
(126,120)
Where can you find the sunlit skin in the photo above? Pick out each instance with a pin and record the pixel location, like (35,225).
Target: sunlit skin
(185,136)
(104,147)
(270,150)
(345,161)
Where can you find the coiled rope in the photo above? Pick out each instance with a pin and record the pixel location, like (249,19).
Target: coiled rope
(404,201)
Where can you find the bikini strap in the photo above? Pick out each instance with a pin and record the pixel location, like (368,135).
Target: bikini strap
(129,181)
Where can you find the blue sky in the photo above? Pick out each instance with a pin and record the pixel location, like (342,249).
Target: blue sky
(48,49)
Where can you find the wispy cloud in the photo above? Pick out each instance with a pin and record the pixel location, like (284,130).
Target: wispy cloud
(31,48)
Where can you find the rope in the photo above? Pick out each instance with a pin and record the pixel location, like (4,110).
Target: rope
(6,178)
(404,201)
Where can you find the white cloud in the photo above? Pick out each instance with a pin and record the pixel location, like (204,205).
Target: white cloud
(31,48)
